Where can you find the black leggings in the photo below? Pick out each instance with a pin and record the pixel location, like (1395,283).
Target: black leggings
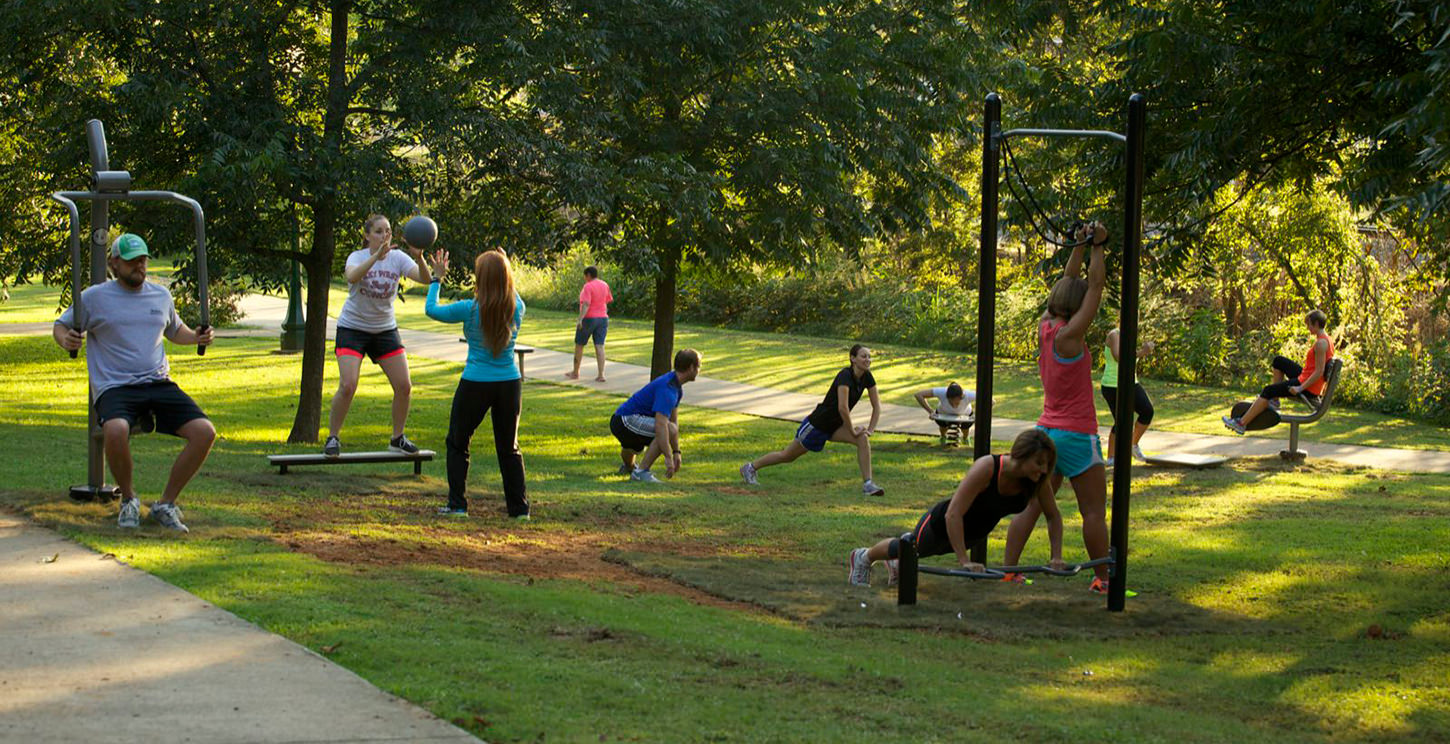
(470,402)
(1141,403)
(1291,372)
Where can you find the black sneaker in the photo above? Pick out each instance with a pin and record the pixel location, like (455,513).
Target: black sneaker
(401,444)
(448,511)
(332,447)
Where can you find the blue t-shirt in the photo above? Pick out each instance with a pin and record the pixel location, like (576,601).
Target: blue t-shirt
(661,395)
(483,365)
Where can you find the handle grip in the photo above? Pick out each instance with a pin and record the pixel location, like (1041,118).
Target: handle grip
(74,353)
(201,349)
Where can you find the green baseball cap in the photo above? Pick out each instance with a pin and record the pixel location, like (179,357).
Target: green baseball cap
(128,246)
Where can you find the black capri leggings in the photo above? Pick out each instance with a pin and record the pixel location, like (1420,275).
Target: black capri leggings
(471,401)
(1142,404)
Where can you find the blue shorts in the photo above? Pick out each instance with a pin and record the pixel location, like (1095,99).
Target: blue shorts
(810,437)
(1076,451)
(591,327)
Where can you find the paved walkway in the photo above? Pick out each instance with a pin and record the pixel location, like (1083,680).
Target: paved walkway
(95,651)
(267,313)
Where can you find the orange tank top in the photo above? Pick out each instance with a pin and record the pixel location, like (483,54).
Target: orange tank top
(1310,366)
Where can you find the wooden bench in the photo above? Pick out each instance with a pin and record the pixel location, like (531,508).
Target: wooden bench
(351,458)
(1317,410)
(519,350)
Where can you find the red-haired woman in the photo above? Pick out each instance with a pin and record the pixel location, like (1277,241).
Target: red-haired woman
(490,380)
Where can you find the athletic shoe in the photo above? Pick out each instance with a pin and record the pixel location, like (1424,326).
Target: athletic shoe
(1138,454)
(401,445)
(1274,403)
(1016,578)
(747,473)
(521,518)
(625,469)
(332,448)
(871,489)
(1100,586)
(858,568)
(168,516)
(130,515)
(644,476)
(893,572)
(448,511)
(1233,424)
(1108,462)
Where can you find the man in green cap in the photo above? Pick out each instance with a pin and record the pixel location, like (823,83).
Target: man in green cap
(126,318)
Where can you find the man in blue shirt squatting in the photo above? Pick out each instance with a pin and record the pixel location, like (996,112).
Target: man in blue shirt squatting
(653,410)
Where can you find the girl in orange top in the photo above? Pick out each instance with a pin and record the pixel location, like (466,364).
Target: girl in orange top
(1290,378)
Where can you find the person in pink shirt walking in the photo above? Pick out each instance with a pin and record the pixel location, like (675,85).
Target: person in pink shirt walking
(1069,413)
(594,301)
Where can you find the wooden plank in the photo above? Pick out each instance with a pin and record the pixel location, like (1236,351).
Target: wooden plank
(1183,460)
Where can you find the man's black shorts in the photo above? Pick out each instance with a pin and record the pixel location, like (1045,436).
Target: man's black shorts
(376,346)
(166,402)
(628,439)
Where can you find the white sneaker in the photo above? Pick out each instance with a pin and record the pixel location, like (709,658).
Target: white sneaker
(871,489)
(130,515)
(168,516)
(858,568)
(1109,462)
(893,572)
(1138,454)
(747,473)
(644,476)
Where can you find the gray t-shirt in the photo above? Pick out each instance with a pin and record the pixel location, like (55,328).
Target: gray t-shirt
(369,305)
(123,330)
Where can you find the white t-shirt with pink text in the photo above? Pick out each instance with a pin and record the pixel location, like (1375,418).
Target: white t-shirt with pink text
(369,305)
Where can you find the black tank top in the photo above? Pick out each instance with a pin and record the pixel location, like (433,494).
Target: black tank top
(988,508)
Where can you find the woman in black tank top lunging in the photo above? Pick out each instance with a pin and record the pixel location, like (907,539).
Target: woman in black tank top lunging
(996,486)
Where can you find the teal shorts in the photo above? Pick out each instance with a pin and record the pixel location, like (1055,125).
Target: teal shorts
(1076,451)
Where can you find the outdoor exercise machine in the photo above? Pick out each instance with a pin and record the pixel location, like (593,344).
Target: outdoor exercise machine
(909,570)
(956,425)
(1272,417)
(114,186)
(994,144)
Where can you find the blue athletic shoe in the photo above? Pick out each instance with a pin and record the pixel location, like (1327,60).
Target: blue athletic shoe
(448,511)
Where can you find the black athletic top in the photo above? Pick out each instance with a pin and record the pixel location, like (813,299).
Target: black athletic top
(987,509)
(827,416)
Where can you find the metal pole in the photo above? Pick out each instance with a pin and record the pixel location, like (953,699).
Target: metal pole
(987,289)
(100,232)
(1128,348)
(294,327)
(906,571)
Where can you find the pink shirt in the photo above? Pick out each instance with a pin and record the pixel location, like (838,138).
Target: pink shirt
(1067,384)
(596,293)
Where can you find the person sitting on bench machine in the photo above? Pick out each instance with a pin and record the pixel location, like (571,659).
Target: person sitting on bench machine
(994,487)
(1290,378)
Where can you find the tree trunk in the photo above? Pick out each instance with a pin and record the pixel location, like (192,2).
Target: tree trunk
(308,420)
(662,360)
(324,237)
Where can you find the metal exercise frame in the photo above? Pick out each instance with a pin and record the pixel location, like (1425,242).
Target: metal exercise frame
(112,186)
(992,139)
(909,570)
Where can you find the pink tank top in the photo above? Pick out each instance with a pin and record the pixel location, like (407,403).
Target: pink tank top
(1067,384)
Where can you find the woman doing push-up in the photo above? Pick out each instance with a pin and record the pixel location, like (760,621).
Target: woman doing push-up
(994,487)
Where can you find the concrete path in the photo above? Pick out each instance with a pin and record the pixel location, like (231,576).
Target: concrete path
(95,651)
(267,313)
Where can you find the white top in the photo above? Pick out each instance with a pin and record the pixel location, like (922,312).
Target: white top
(369,305)
(945,408)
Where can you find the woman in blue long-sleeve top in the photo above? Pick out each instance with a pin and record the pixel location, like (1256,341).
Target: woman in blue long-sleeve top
(490,380)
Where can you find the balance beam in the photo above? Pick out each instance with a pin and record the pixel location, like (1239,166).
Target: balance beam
(351,458)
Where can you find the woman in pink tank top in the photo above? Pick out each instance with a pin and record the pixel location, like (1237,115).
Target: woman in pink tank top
(1069,413)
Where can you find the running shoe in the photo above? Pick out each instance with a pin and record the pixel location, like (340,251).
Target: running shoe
(644,476)
(893,572)
(1016,578)
(859,568)
(332,447)
(130,515)
(625,469)
(400,444)
(521,517)
(1100,586)
(871,489)
(168,516)
(1233,424)
(747,474)
(1138,454)
(448,511)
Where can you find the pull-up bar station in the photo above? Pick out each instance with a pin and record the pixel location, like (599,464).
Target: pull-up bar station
(994,144)
(113,186)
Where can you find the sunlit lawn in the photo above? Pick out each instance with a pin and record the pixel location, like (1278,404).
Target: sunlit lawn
(1258,583)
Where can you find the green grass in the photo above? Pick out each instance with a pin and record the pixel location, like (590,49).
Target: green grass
(40,303)
(1257,581)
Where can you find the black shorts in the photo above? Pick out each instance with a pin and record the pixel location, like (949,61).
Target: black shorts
(376,346)
(928,542)
(167,404)
(628,439)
